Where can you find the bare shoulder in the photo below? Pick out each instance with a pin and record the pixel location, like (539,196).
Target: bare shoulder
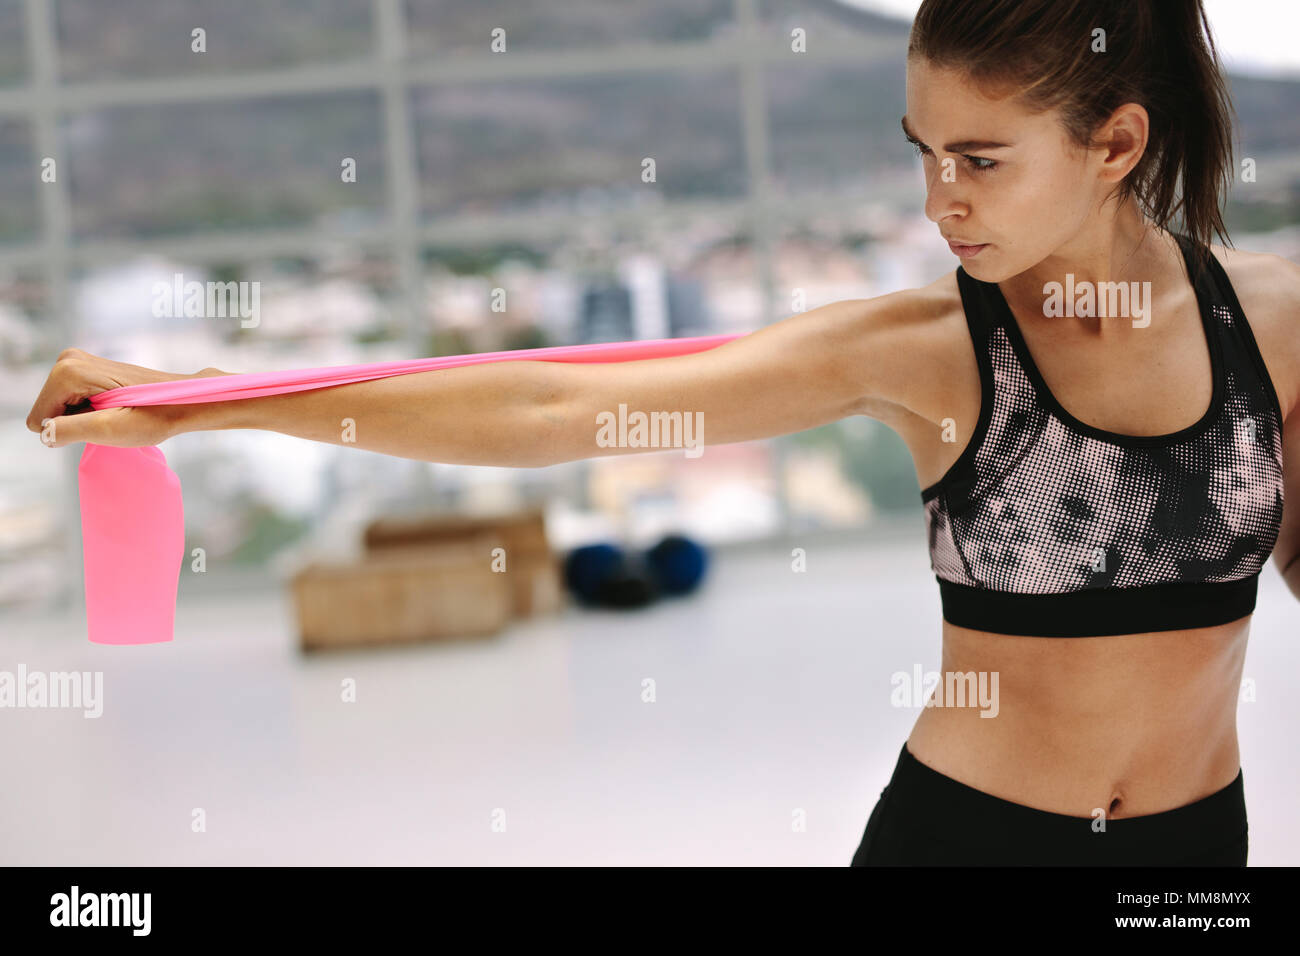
(1255,274)
(921,351)
(1268,288)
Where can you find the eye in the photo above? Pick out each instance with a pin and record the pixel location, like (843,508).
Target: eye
(978,164)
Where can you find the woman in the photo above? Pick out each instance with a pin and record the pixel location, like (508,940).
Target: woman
(1100,491)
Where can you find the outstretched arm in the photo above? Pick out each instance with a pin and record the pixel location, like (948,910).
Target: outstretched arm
(806,370)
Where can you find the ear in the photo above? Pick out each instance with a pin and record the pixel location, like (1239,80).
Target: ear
(1124,138)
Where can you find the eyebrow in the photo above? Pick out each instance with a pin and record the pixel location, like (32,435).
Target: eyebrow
(962,146)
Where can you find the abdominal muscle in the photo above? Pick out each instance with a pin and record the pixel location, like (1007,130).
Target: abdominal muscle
(1130,724)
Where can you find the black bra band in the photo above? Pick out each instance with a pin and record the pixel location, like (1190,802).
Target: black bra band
(1095,612)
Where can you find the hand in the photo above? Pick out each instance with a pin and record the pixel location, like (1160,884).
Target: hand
(61,417)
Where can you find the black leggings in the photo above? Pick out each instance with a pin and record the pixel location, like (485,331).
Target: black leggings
(924,818)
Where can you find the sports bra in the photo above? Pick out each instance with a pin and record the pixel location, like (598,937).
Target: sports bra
(1046,526)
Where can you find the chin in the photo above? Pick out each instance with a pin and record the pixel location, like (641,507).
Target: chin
(980,268)
(988,268)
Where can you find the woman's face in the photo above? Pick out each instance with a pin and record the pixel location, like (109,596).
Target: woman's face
(997,174)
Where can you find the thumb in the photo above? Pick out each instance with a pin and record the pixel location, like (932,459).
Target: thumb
(99,427)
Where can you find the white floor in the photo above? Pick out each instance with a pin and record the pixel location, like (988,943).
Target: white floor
(771,701)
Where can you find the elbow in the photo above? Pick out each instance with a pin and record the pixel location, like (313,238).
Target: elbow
(549,439)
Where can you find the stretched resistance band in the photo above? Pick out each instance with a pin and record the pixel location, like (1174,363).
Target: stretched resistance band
(132,514)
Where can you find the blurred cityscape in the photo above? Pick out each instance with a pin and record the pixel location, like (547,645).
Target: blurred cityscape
(521,220)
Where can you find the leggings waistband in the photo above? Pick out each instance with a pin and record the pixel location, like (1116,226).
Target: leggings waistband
(925,800)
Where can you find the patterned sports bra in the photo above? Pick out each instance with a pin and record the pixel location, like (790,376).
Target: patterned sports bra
(1048,527)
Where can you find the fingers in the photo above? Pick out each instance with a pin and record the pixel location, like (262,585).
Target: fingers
(77,375)
(66,385)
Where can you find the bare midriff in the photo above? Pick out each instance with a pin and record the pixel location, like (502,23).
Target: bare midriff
(1130,724)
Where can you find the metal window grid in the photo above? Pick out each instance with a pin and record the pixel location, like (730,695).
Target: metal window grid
(390,72)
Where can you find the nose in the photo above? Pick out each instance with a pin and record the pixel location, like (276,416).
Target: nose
(944,199)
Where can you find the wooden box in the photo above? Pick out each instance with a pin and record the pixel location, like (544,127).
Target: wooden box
(531,568)
(404,594)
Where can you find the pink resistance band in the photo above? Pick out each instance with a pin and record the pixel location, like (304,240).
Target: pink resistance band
(132,514)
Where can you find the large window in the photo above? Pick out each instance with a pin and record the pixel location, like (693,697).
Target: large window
(610,169)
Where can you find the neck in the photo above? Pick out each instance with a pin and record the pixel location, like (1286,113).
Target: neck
(1119,246)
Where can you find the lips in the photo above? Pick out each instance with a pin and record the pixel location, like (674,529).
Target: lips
(966,249)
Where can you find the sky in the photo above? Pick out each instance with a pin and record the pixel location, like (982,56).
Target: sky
(1258,37)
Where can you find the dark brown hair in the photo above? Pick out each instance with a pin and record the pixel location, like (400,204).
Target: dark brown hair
(1158,53)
